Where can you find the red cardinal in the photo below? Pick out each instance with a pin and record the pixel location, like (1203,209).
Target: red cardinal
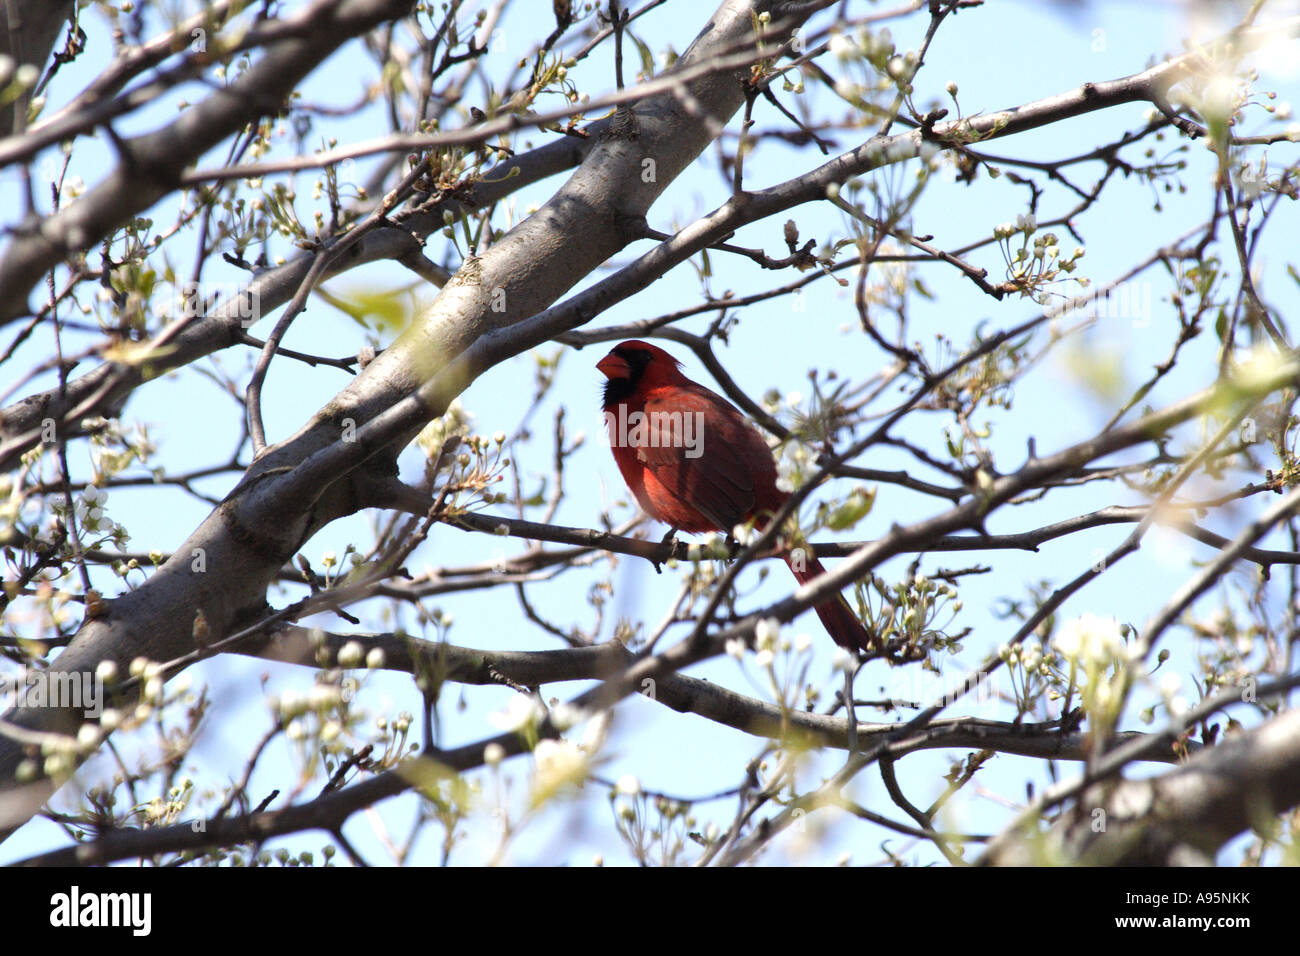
(694,462)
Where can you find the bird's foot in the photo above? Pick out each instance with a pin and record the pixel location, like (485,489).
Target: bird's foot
(669,539)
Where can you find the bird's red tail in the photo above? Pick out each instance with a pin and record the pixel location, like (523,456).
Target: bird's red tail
(837,617)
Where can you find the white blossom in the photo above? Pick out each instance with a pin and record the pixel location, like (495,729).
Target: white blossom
(523,711)
(766,633)
(558,763)
(1090,639)
(842,47)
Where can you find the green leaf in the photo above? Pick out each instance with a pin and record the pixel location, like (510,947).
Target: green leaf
(647,58)
(384,310)
(856,507)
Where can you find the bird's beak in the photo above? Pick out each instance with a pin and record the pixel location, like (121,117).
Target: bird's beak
(612,366)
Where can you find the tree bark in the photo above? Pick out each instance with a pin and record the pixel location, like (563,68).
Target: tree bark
(28,29)
(1182,817)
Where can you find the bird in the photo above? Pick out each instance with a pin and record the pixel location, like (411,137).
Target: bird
(694,462)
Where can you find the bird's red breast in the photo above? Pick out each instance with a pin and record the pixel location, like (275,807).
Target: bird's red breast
(690,458)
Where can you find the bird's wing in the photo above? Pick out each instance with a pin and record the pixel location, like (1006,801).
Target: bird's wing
(701,450)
